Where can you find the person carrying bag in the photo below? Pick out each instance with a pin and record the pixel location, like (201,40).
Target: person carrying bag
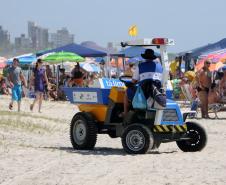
(139,100)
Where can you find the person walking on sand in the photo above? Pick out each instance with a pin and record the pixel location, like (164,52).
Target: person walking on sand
(204,84)
(16,78)
(39,79)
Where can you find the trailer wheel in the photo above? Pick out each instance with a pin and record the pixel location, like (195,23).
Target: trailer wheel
(197,141)
(83,131)
(137,139)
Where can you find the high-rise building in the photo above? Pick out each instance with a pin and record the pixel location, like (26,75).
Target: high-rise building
(22,42)
(4,38)
(32,33)
(42,36)
(61,37)
(38,35)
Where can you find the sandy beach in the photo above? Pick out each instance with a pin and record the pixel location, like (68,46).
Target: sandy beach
(35,149)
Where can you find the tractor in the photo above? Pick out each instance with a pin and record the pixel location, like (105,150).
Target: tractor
(141,130)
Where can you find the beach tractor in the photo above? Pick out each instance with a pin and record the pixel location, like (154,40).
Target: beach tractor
(141,130)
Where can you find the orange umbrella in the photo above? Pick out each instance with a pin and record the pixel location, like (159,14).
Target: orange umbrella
(216,66)
(223,59)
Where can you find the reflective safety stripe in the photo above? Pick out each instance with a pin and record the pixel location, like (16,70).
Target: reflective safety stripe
(184,127)
(174,129)
(151,75)
(170,128)
(159,128)
(166,128)
(179,128)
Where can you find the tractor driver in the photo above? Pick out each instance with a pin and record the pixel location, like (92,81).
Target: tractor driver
(147,73)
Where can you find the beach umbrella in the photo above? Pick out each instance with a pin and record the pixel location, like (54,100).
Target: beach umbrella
(68,66)
(59,57)
(2,62)
(90,67)
(215,56)
(215,66)
(100,59)
(135,60)
(23,59)
(45,55)
(223,58)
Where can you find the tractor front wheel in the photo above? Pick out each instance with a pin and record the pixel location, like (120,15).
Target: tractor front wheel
(197,138)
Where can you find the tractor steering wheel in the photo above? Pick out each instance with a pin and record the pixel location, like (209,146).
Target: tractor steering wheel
(127,80)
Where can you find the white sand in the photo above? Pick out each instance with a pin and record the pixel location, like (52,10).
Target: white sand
(35,149)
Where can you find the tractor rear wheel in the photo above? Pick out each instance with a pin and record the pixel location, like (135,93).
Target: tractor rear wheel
(197,138)
(83,131)
(137,139)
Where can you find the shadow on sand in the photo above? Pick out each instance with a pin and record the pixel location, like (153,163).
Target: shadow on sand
(105,151)
(199,118)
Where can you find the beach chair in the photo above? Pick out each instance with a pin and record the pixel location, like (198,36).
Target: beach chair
(187,94)
(185,88)
(212,108)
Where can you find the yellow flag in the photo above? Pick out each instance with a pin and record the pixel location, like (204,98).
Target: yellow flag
(133,31)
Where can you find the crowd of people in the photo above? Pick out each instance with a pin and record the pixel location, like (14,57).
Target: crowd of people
(204,89)
(41,84)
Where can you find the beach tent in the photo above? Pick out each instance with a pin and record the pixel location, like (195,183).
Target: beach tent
(93,45)
(195,53)
(76,48)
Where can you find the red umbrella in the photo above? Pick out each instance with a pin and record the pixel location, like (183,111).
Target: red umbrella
(2,62)
(215,57)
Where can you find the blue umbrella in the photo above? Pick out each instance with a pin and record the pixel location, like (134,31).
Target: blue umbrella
(23,59)
(134,51)
(135,60)
(90,67)
(100,60)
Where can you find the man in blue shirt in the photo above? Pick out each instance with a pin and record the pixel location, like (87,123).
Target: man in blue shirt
(16,77)
(147,73)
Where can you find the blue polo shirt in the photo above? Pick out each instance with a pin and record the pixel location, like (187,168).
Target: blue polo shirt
(148,70)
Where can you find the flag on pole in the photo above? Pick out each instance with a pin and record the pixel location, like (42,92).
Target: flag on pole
(133,31)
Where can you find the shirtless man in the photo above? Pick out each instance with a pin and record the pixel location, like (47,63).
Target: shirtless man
(204,84)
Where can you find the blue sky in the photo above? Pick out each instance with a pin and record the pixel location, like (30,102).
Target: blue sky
(191,23)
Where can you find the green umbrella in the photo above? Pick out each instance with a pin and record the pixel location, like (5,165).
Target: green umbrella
(63,56)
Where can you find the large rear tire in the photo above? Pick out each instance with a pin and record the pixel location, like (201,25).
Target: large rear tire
(197,141)
(83,131)
(137,139)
